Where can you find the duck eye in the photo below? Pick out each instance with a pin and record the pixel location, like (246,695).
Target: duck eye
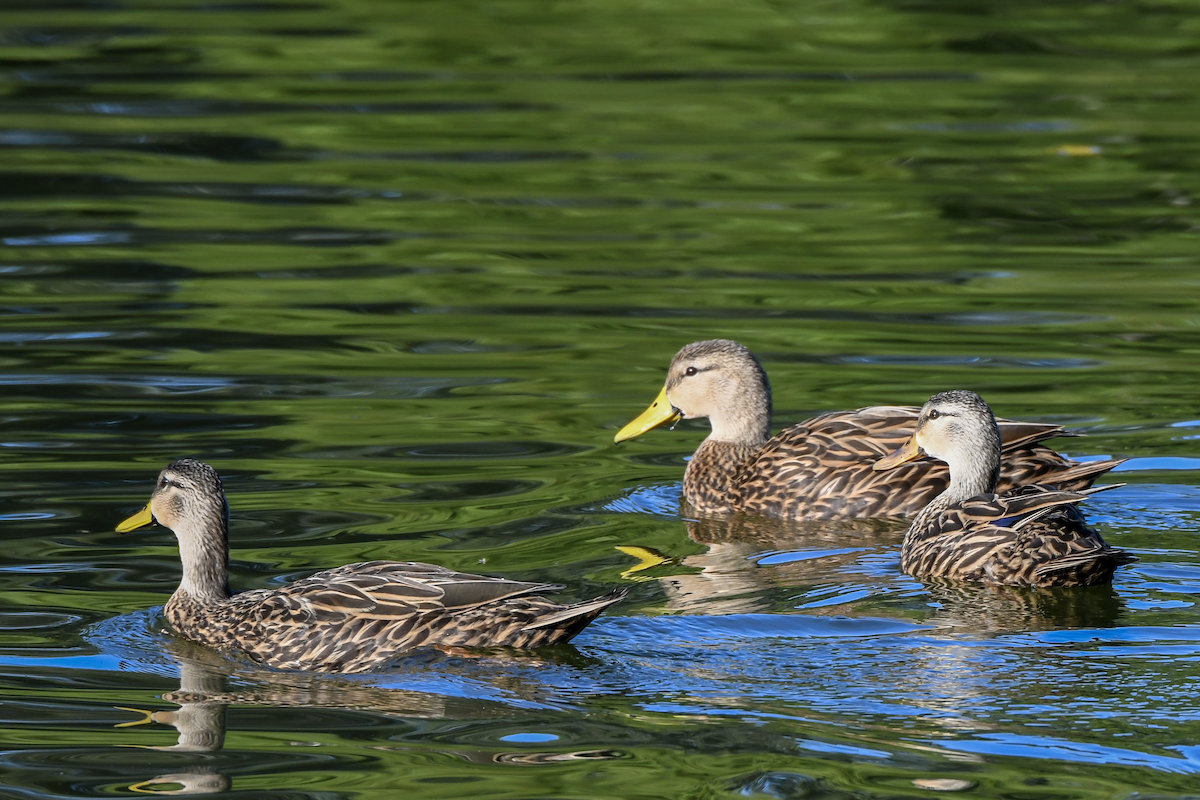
(690,371)
(934,413)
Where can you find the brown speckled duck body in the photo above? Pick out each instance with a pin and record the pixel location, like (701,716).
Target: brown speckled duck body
(1032,536)
(349,619)
(821,468)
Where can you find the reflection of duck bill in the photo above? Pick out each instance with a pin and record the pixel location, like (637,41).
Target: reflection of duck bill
(147,717)
(199,782)
(647,559)
(201,726)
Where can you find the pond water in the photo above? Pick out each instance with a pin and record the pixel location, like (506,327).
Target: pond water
(399,271)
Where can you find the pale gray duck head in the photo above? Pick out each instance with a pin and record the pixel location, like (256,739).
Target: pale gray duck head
(957,427)
(190,500)
(719,379)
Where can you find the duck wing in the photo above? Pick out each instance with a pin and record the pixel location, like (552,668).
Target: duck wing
(358,616)
(408,581)
(822,468)
(1035,537)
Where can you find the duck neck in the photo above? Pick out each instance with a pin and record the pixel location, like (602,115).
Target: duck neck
(746,432)
(204,550)
(981,479)
(745,418)
(977,474)
(974,470)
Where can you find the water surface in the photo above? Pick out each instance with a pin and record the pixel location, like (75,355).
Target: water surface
(400,271)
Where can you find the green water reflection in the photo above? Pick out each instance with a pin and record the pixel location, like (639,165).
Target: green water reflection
(400,270)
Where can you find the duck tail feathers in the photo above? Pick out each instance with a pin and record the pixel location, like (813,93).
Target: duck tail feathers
(587,611)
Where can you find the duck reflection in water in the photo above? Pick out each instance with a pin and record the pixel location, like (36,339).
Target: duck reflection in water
(984,609)
(200,721)
(204,695)
(756,564)
(847,567)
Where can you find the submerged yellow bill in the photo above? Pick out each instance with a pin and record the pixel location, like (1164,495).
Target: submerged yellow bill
(907,452)
(660,412)
(143,517)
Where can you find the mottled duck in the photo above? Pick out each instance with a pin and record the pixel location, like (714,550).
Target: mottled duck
(821,468)
(1031,536)
(348,619)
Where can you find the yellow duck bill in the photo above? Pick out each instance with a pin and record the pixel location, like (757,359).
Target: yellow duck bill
(907,452)
(141,518)
(660,412)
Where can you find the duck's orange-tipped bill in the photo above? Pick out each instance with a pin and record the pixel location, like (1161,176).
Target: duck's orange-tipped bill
(907,452)
(660,412)
(143,517)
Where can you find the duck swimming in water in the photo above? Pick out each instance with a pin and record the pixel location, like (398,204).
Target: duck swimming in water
(821,468)
(1031,536)
(348,619)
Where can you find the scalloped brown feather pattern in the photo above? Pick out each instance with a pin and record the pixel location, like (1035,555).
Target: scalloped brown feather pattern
(977,540)
(822,468)
(359,616)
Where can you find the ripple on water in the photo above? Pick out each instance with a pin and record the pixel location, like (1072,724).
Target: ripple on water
(697,630)
(281,387)
(216,147)
(455,491)
(792,556)
(181,108)
(1160,463)
(1127,635)
(1049,748)
(458,451)
(661,500)
(966,361)
(1152,506)
(34,620)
